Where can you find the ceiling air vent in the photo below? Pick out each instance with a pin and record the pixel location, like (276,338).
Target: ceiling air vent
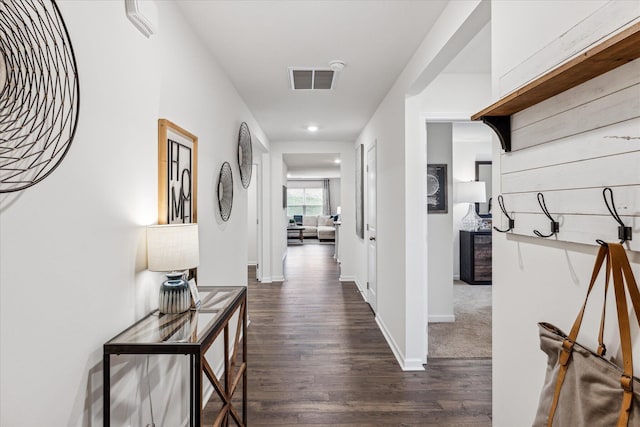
(311,78)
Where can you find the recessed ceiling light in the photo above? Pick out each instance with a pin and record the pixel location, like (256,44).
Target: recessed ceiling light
(336,161)
(312,128)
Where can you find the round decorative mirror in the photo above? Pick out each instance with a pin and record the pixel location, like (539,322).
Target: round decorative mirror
(225,191)
(39,92)
(245,155)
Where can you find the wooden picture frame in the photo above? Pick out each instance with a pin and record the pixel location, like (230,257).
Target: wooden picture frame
(177,174)
(437,183)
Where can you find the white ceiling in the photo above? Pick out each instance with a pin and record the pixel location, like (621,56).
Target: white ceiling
(256,41)
(312,165)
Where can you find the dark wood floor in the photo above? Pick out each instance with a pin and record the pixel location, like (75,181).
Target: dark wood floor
(316,357)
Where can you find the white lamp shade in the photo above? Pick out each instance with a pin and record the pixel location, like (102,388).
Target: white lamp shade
(172,247)
(471,192)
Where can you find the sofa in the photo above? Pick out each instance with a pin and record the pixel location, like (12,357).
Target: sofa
(319,226)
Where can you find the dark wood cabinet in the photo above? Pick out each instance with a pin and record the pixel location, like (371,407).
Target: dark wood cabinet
(475,257)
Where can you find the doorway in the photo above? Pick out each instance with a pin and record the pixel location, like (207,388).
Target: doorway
(459,312)
(312,201)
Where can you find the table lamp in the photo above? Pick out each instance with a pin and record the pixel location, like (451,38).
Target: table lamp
(173,248)
(471,192)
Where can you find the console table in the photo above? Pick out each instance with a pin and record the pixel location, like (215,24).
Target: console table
(475,257)
(297,228)
(192,333)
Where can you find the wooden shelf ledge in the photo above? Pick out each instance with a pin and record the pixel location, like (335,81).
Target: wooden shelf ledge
(618,50)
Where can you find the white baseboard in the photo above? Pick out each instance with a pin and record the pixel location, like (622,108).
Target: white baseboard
(361,290)
(347,279)
(414,365)
(277,279)
(456,277)
(252,263)
(265,279)
(405,364)
(442,318)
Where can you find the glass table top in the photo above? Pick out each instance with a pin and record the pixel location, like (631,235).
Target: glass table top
(191,327)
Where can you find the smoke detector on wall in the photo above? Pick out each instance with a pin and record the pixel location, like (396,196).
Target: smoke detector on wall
(305,78)
(337,65)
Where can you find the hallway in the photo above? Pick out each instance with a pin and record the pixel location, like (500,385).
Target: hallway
(317,357)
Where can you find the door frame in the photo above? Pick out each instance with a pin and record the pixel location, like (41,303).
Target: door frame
(369,296)
(259,225)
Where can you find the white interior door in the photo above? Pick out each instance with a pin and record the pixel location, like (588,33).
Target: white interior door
(372,229)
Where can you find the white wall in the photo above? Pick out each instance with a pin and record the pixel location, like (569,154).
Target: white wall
(452,97)
(402,243)
(73,260)
(439,262)
(533,279)
(347,194)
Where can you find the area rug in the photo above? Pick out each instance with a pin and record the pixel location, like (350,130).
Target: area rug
(470,334)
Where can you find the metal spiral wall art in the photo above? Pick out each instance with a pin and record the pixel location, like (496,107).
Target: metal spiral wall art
(245,155)
(225,191)
(39,92)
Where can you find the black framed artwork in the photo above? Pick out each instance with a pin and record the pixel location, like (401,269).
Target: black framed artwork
(483,173)
(437,188)
(360,191)
(284,197)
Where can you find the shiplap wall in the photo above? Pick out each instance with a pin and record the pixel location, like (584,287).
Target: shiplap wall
(570,147)
(604,22)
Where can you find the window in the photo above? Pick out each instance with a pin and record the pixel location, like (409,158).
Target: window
(304,201)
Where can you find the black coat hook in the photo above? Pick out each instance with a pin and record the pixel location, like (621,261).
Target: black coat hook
(555,225)
(624,232)
(512,222)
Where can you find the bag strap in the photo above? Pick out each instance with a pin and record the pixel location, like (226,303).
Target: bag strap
(569,341)
(617,266)
(620,266)
(602,348)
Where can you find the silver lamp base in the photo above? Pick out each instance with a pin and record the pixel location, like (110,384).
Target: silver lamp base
(175,296)
(471,221)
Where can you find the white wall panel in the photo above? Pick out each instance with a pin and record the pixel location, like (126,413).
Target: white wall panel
(537,279)
(605,141)
(601,111)
(598,25)
(582,141)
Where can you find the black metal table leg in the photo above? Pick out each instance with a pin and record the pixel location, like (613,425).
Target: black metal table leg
(106,381)
(197,389)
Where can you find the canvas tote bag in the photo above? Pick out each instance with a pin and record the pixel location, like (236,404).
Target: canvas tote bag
(581,387)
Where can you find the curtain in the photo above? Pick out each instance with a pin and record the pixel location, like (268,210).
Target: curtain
(326,194)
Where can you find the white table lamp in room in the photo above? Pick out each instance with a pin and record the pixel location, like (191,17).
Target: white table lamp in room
(173,248)
(471,192)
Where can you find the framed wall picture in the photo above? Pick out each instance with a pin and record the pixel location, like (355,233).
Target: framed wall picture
(437,188)
(195,295)
(360,191)
(284,197)
(177,174)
